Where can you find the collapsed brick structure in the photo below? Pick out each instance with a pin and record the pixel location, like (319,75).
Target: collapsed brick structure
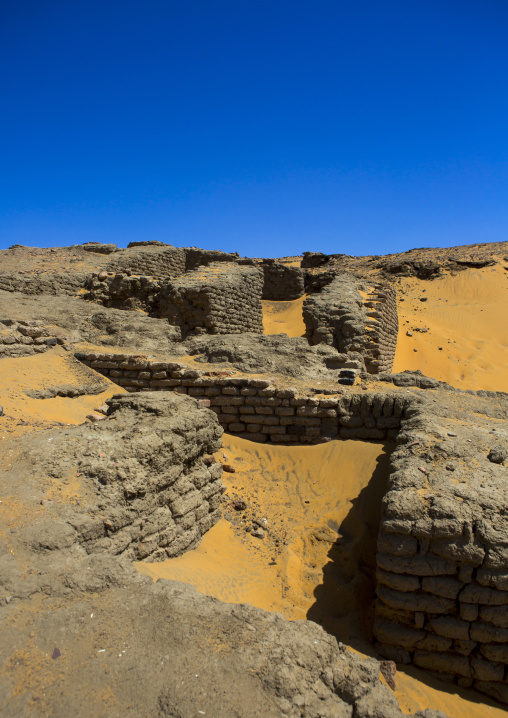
(442,563)
(367,327)
(22,338)
(215,299)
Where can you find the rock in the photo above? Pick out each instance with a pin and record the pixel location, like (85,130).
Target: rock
(1,411)
(239,505)
(423,299)
(228,468)
(388,671)
(258,533)
(409,334)
(102,276)
(95,417)
(497,455)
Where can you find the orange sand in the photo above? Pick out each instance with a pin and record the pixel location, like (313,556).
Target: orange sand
(41,371)
(466,315)
(316,571)
(284,317)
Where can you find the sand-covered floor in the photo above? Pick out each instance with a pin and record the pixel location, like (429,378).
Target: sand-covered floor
(284,317)
(466,318)
(321,505)
(42,371)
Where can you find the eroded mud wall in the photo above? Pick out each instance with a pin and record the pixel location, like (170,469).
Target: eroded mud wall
(354,324)
(281,283)
(215,300)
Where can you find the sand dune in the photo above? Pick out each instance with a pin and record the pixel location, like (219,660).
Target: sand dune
(466,317)
(284,317)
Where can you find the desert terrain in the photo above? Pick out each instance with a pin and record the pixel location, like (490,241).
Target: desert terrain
(279,547)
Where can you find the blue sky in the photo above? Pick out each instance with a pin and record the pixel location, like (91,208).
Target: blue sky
(268,128)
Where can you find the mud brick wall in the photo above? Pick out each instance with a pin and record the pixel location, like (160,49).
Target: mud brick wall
(216,300)
(281,283)
(195,257)
(157,262)
(47,283)
(157,493)
(340,317)
(257,410)
(22,338)
(383,327)
(123,291)
(442,562)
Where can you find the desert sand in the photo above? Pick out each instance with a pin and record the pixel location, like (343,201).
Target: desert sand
(284,317)
(466,318)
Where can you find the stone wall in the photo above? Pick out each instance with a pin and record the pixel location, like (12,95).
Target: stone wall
(281,283)
(341,317)
(256,409)
(123,291)
(47,283)
(157,493)
(442,562)
(215,300)
(157,262)
(383,328)
(22,338)
(195,257)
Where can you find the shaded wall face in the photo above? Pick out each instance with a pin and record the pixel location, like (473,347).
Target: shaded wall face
(282,283)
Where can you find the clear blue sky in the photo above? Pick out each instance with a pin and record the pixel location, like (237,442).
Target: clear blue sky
(270,128)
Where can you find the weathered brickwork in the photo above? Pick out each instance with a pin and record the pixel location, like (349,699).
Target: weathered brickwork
(215,300)
(341,317)
(22,338)
(442,561)
(155,503)
(281,283)
(157,262)
(382,329)
(123,291)
(257,410)
(47,283)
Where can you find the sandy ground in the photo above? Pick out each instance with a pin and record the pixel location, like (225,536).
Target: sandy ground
(41,371)
(284,317)
(466,318)
(321,506)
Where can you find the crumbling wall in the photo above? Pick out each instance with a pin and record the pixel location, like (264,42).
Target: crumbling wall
(43,283)
(281,283)
(254,408)
(22,338)
(122,291)
(195,257)
(155,261)
(341,317)
(156,494)
(383,328)
(216,300)
(442,577)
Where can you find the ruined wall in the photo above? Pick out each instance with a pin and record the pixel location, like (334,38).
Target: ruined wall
(43,283)
(341,317)
(195,257)
(281,283)
(122,291)
(442,578)
(442,561)
(216,300)
(254,408)
(157,494)
(383,328)
(156,262)
(22,338)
